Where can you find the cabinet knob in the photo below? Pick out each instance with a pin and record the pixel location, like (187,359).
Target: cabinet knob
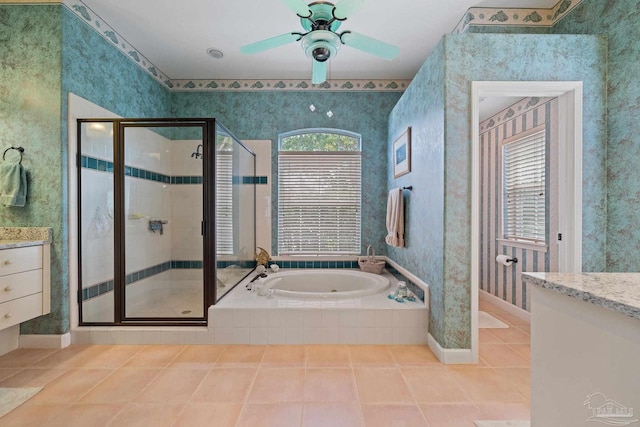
(8,289)
(7,316)
(6,262)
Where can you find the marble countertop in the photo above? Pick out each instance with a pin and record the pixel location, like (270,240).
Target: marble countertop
(619,292)
(17,237)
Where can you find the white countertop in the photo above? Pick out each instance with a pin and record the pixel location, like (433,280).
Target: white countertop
(619,292)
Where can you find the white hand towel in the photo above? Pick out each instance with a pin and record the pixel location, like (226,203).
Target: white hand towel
(13,184)
(395,218)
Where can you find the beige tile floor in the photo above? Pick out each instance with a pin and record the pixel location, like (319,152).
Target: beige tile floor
(306,385)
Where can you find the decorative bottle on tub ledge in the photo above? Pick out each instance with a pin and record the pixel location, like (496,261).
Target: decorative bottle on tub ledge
(263,257)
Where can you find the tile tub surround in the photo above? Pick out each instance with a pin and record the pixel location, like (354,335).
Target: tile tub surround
(619,292)
(243,318)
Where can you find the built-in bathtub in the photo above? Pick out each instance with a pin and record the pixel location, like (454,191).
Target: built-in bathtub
(324,283)
(242,317)
(317,316)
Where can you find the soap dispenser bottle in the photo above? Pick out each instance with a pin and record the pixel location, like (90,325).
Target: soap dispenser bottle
(401,292)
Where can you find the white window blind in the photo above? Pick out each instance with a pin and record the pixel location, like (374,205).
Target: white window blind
(319,202)
(524,187)
(224,202)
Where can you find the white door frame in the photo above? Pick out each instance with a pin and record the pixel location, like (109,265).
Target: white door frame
(570,174)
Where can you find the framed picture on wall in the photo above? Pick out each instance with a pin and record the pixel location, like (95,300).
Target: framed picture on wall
(402,154)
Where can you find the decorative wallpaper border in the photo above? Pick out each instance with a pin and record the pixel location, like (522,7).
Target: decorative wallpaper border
(521,17)
(111,35)
(476,16)
(520,107)
(290,85)
(108,33)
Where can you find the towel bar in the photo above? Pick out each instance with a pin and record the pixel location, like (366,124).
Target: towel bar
(410,188)
(20,149)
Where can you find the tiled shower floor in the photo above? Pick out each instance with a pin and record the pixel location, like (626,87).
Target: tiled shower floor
(272,385)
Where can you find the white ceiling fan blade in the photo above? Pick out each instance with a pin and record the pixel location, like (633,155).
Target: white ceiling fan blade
(319,72)
(269,43)
(345,8)
(299,7)
(369,45)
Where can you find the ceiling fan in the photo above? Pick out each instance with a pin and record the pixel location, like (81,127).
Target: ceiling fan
(321,41)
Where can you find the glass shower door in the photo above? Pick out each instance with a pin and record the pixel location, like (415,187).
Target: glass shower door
(163,214)
(166,226)
(96,222)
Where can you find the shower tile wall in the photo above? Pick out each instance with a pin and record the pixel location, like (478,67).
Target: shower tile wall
(262,149)
(146,199)
(186,209)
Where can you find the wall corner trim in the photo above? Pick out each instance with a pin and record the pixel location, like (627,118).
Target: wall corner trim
(451,356)
(45,341)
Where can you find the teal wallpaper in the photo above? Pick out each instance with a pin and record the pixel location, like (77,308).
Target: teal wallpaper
(465,58)
(95,70)
(263,115)
(422,108)
(30,112)
(620,21)
(518,57)
(46,53)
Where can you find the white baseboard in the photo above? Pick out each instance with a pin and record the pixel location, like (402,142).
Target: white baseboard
(450,356)
(509,308)
(45,341)
(9,339)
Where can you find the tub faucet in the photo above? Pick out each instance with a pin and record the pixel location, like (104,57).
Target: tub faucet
(257,276)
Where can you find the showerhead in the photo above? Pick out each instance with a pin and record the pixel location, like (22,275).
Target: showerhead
(197,154)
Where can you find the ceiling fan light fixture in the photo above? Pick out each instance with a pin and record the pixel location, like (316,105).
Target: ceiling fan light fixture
(321,54)
(321,45)
(320,41)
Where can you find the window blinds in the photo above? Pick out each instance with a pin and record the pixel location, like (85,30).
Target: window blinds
(224,202)
(319,202)
(524,188)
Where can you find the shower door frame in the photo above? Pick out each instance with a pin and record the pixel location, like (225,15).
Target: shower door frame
(208,127)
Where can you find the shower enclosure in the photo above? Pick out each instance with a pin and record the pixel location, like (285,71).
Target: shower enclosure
(166,212)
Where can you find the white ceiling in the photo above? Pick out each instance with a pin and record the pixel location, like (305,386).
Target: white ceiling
(175,35)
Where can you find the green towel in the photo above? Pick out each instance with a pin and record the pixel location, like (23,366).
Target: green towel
(13,184)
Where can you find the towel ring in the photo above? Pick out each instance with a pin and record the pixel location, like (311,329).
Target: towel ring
(20,149)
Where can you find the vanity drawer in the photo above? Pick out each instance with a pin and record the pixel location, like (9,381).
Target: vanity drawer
(19,285)
(17,260)
(20,310)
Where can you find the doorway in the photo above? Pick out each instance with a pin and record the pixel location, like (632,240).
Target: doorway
(569,188)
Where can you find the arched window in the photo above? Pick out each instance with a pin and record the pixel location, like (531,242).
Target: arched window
(319,185)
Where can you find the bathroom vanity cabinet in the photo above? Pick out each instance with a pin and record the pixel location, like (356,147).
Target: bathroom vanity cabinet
(25,284)
(585,342)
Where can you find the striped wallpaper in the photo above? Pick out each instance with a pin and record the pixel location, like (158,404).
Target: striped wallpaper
(516,120)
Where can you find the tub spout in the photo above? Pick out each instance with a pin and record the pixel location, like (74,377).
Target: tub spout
(257,276)
(264,289)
